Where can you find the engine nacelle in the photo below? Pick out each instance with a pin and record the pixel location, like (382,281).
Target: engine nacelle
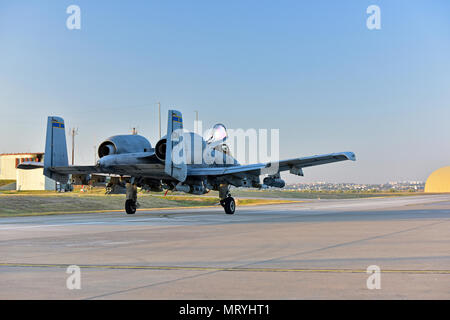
(124,144)
(160,149)
(274,182)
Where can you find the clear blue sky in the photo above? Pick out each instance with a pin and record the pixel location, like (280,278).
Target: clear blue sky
(310,68)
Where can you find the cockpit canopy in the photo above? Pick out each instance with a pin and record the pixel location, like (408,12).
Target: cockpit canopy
(218,133)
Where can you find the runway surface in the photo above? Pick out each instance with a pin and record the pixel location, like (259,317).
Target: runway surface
(318,249)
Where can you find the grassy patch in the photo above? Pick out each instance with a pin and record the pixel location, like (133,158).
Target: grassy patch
(19,203)
(13,203)
(61,203)
(5,182)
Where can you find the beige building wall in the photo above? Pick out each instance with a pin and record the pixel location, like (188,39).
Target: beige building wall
(25,179)
(8,167)
(33,179)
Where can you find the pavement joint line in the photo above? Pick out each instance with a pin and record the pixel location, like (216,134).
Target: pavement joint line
(49,213)
(238,269)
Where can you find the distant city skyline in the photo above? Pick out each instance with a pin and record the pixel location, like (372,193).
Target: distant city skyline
(397,186)
(312,69)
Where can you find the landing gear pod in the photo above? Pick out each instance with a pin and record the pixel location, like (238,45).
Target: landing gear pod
(274,182)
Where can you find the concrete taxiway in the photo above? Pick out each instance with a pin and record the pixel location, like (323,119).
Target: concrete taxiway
(317,249)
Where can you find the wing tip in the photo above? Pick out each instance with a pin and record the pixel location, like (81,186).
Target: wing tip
(350,155)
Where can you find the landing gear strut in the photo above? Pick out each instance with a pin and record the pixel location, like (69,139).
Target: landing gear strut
(226,200)
(131,203)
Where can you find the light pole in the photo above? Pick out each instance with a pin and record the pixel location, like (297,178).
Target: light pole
(73,133)
(159,119)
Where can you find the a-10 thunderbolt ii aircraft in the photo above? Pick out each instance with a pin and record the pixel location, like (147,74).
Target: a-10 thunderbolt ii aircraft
(131,160)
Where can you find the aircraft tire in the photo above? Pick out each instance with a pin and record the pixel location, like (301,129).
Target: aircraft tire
(229,205)
(130,206)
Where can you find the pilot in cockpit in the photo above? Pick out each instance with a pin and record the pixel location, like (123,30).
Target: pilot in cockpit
(218,137)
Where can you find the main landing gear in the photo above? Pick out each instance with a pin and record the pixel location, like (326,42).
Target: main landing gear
(228,204)
(131,203)
(226,200)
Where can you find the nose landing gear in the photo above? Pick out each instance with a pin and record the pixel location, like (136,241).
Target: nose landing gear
(131,203)
(130,206)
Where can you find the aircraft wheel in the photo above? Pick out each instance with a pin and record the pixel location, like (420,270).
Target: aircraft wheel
(130,206)
(229,205)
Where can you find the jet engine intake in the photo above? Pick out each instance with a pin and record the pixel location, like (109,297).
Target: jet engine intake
(160,149)
(106,148)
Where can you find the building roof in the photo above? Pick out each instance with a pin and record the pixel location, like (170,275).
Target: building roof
(21,153)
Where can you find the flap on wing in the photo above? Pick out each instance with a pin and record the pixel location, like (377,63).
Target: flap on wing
(213,171)
(284,165)
(30,165)
(76,169)
(155,170)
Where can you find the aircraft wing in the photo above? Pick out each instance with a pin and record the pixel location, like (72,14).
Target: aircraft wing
(157,170)
(316,160)
(294,165)
(140,170)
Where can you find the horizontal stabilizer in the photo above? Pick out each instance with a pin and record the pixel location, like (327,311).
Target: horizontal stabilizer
(30,165)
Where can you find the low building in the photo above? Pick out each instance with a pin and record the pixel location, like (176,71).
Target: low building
(25,179)
(10,161)
(33,179)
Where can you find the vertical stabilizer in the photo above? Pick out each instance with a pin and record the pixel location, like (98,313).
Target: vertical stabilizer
(55,149)
(175,165)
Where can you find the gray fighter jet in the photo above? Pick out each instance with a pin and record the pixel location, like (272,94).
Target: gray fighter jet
(180,161)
